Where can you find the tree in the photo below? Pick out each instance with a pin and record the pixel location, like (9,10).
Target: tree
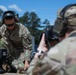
(46,22)
(1,12)
(33,23)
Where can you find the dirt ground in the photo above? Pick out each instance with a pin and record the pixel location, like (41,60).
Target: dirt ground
(12,74)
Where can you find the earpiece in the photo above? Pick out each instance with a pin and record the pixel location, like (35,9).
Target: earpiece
(16,16)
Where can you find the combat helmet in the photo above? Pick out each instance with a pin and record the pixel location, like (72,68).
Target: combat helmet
(58,13)
(68,14)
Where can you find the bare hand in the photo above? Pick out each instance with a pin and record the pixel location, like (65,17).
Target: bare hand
(26,65)
(42,45)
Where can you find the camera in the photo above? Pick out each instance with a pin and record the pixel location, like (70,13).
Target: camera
(48,35)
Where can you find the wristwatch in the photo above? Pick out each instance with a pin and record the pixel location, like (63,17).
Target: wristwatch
(40,52)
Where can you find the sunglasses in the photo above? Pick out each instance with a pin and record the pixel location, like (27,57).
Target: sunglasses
(10,25)
(8,17)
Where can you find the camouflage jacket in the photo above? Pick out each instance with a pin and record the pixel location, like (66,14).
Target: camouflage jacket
(18,41)
(59,60)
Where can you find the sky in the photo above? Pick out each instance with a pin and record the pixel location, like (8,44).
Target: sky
(45,9)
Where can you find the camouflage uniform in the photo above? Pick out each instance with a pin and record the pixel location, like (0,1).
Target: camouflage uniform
(18,43)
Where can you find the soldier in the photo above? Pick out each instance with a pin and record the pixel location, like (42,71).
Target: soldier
(17,39)
(60,59)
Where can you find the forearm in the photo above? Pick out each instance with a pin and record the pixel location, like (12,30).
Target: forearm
(27,55)
(27,47)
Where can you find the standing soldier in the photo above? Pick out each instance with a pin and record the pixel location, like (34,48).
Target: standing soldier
(17,39)
(60,59)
